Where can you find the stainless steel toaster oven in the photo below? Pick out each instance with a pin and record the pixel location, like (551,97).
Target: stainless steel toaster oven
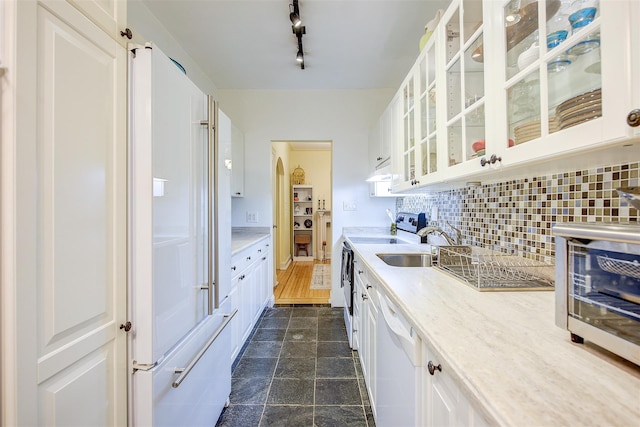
(598,285)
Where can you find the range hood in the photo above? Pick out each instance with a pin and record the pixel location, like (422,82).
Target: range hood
(382,173)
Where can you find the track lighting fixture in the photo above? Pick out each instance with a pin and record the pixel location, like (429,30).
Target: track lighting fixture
(298,30)
(294,17)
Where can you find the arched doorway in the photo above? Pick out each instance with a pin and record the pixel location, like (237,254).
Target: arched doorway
(301,281)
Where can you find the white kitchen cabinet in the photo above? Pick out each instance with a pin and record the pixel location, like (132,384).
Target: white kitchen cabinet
(369,327)
(365,318)
(375,138)
(443,403)
(237,162)
(64,189)
(384,136)
(110,16)
(407,150)
(464,81)
(560,97)
(544,99)
(415,156)
(381,137)
(235,324)
(359,274)
(251,290)
(633,118)
(381,189)
(264,276)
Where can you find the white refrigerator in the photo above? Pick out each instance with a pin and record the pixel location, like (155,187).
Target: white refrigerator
(180,342)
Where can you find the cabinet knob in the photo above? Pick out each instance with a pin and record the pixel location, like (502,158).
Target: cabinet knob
(633,118)
(369,286)
(360,271)
(484,162)
(495,158)
(364,297)
(378,158)
(433,368)
(126,33)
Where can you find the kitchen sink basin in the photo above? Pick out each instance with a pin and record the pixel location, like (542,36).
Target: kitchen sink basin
(407,260)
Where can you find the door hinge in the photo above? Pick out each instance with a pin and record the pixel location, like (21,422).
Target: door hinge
(126,326)
(142,366)
(206,123)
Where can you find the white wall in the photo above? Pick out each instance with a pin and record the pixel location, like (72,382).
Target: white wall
(341,116)
(146,28)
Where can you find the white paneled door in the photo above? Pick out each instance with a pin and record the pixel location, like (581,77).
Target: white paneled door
(69,205)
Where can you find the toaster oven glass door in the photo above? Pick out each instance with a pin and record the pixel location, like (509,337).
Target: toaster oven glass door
(604,290)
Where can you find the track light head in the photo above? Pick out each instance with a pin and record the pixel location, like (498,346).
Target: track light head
(295,19)
(300,56)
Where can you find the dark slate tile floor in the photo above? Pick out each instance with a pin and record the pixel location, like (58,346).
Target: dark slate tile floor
(297,370)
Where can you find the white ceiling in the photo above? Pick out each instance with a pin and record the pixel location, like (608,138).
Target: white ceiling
(349,44)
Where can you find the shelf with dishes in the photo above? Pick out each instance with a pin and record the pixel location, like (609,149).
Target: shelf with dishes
(521,21)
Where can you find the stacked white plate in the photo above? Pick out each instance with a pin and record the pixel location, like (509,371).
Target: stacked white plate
(531,130)
(580,109)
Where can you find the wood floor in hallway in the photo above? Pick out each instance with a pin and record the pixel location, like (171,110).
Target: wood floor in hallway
(294,285)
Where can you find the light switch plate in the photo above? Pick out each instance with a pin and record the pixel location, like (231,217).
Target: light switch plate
(252,216)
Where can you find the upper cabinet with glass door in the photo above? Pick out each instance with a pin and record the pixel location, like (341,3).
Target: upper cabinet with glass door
(464,86)
(566,76)
(426,132)
(408,152)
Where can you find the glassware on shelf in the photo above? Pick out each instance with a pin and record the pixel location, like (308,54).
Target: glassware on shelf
(583,12)
(557,30)
(558,63)
(512,13)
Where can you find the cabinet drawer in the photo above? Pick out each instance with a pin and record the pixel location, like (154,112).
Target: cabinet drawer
(243,259)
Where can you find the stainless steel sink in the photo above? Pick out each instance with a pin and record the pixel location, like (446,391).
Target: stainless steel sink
(407,260)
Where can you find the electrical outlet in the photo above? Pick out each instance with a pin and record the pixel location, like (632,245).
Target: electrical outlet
(349,205)
(252,216)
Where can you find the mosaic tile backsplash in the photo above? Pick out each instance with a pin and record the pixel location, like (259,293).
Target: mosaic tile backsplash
(517,216)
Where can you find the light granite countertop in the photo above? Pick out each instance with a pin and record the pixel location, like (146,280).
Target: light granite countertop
(505,351)
(242,238)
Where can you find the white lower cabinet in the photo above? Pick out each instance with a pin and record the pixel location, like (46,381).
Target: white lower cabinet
(443,402)
(406,382)
(368,328)
(251,290)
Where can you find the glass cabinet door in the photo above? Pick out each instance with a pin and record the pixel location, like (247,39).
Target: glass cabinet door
(553,69)
(428,146)
(408,130)
(465,87)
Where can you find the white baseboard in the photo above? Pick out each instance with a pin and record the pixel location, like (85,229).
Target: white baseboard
(285,265)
